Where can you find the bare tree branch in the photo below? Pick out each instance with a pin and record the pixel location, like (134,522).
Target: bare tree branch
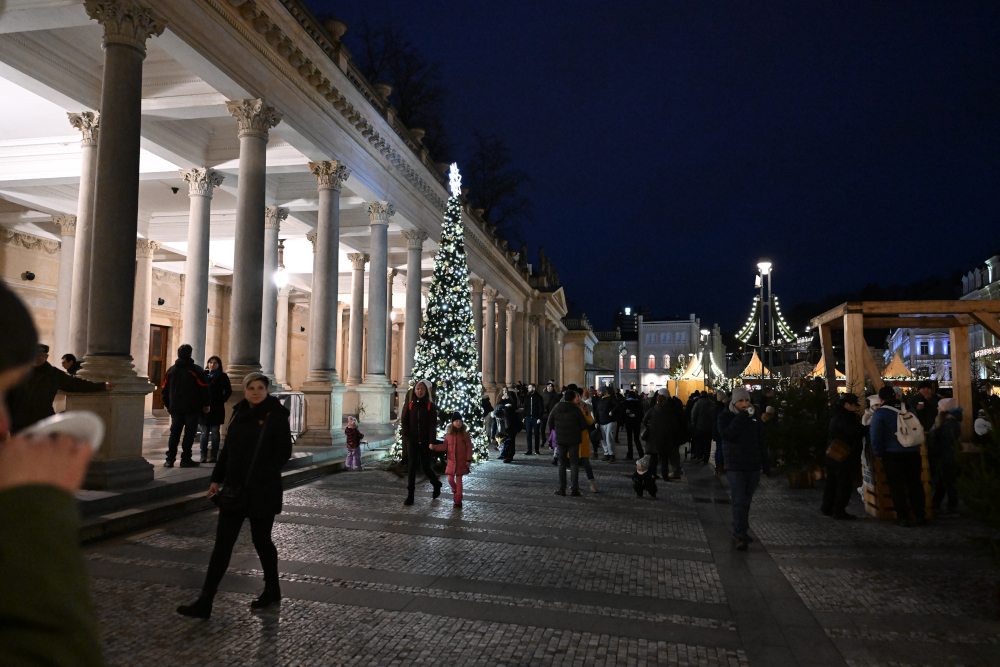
(497,187)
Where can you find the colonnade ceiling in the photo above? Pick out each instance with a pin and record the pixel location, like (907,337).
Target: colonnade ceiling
(51,63)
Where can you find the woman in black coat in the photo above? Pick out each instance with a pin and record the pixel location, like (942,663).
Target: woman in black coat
(220,389)
(258,418)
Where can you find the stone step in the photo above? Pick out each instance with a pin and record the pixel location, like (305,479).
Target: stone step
(189,496)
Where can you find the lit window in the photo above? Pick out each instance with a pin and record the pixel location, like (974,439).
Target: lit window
(621,363)
(631,362)
(925,348)
(666,361)
(652,361)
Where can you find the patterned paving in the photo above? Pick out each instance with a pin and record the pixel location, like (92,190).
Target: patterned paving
(520,576)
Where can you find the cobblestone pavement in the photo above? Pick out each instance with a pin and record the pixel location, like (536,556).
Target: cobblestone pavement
(520,576)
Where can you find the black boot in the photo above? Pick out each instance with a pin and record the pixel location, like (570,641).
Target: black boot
(409,498)
(200,608)
(437,489)
(270,596)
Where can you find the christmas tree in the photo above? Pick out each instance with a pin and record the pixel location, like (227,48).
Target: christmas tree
(446,352)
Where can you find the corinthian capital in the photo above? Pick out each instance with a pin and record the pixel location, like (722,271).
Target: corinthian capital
(66,223)
(491,295)
(254,117)
(331,174)
(415,239)
(126,22)
(379,212)
(358,260)
(144,248)
(201,181)
(88,123)
(273,215)
(312,239)
(511,309)
(477,285)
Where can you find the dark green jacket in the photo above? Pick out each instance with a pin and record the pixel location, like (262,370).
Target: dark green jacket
(31,401)
(46,614)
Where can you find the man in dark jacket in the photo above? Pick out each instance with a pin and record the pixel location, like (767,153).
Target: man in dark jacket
(549,399)
(567,419)
(925,405)
(186,397)
(702,417)
(721,403)
(604,410)
(745,455)
(70,364)
(534,409)
(846,427)
(632,413)
(418,427)
(31,401)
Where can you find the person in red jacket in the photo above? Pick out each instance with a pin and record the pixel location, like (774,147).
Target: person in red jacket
(458,444)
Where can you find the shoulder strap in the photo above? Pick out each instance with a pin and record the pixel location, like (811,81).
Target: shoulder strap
(256,451)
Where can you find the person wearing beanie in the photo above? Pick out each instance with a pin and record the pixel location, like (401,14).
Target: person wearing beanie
(643,478)
(847,429)
(48,615)
(873,402)
(902,465)
(942,442)
(745,455)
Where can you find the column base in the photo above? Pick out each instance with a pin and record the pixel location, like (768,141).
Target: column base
(237,372)
(118,474)
(324,414)
(119,461)
(375,403)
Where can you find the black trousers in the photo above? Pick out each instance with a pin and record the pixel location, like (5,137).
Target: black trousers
(701,446)
(646,483)
(902,472)
(423,461)
(632,432)
(225,538)
(944,478)
(673,456)
(839,484)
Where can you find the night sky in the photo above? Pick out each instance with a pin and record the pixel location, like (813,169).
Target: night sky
(671,144)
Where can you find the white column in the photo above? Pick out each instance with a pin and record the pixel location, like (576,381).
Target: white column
(64,288)
(281,340)
(273,215)
(477,317)
(201,183)
(142,302)
(412,316)
(501,341)
(489,340)
(357,330)
(390,275)
(254,119)
(533,375)
(87,122)
(511,344)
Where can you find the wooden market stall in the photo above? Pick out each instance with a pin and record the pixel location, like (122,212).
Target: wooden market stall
(855,316)
(691,381)
(820,372)
(755,369)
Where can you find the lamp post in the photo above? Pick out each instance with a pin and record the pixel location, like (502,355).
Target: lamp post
(706,364)
(622,349)
(764,265)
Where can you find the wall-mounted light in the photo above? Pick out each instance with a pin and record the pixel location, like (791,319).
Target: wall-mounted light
(27,275)
(160,302)
(302,329)
(175,190)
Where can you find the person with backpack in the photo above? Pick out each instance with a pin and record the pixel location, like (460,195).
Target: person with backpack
(187,398)
(942,443)
(567,421)
(902,464)
(633,413)
(605,411)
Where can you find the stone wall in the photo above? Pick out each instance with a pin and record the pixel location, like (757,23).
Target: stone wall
(20,252)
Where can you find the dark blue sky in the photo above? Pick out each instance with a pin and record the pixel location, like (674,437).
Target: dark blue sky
(671,144)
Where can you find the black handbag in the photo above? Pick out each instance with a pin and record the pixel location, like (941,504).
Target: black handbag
(232,497)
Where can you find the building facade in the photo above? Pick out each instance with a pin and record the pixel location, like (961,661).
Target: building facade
(242,188)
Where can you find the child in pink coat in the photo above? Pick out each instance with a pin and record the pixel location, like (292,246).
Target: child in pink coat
(458,444)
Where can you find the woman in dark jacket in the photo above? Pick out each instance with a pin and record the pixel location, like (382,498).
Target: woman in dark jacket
(418,428)
(220,389)
(258,420)
(845,427)
(661,425)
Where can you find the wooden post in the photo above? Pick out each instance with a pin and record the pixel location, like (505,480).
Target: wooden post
(855,351)
(873,373)
(961,380)
(826,342)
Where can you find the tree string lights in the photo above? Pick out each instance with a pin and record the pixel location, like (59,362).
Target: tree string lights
(446,351)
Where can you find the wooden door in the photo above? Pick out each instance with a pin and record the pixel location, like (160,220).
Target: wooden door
(158,361)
